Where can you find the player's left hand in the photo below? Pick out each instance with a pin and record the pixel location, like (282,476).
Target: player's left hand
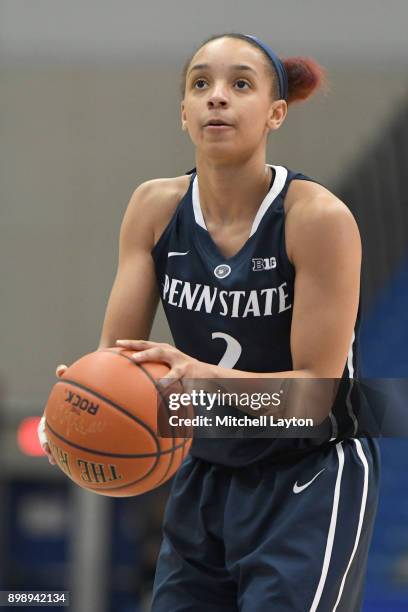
(181,365)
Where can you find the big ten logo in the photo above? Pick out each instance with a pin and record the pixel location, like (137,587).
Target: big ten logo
(77,401)
(61,457)
(97,472)
(263,263)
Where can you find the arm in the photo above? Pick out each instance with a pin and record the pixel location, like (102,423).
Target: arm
(134,296)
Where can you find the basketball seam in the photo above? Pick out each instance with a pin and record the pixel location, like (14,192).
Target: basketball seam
(107,453)
(114,405)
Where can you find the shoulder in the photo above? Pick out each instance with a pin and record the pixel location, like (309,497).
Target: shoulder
(153,203)
(316,221)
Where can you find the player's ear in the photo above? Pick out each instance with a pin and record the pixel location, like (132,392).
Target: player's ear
(277,114)
(183,117)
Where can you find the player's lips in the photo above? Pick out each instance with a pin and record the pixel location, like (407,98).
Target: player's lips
(217,125)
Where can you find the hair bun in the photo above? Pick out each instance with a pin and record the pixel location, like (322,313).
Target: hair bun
(305,77)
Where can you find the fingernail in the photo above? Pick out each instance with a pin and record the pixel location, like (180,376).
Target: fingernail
(136,355)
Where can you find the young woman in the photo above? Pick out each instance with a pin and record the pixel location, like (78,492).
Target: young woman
(258,270)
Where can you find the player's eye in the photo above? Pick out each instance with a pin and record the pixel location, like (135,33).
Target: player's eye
(241,83)
(200,83)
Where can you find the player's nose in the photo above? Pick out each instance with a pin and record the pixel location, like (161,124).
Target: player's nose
(218,97)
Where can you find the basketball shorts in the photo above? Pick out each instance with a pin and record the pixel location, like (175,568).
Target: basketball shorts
(289,537)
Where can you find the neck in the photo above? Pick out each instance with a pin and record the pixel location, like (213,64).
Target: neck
(232,193)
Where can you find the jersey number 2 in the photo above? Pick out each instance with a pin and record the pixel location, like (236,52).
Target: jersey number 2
(232,352)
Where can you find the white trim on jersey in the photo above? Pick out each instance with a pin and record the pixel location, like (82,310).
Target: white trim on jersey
(350,357)
(198,213)
(362,456)
(281,174)
(278,184)
(350,366)
(332,530)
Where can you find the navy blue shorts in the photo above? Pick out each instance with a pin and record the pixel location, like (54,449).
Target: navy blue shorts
(270,537)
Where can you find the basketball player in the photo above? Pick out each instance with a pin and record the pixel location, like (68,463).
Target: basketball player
(258,270)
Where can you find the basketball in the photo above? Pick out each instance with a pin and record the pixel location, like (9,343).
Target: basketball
(102,425)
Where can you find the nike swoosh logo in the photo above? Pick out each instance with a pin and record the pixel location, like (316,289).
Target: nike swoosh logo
(173,253)
(299,489)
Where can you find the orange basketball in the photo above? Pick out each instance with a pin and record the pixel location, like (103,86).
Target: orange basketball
(102,425)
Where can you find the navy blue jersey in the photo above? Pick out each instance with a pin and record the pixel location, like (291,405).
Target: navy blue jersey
(236,312)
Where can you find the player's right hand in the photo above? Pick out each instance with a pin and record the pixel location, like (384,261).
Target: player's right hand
(41,427)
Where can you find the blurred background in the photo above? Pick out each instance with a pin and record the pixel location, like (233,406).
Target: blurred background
(89,109)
